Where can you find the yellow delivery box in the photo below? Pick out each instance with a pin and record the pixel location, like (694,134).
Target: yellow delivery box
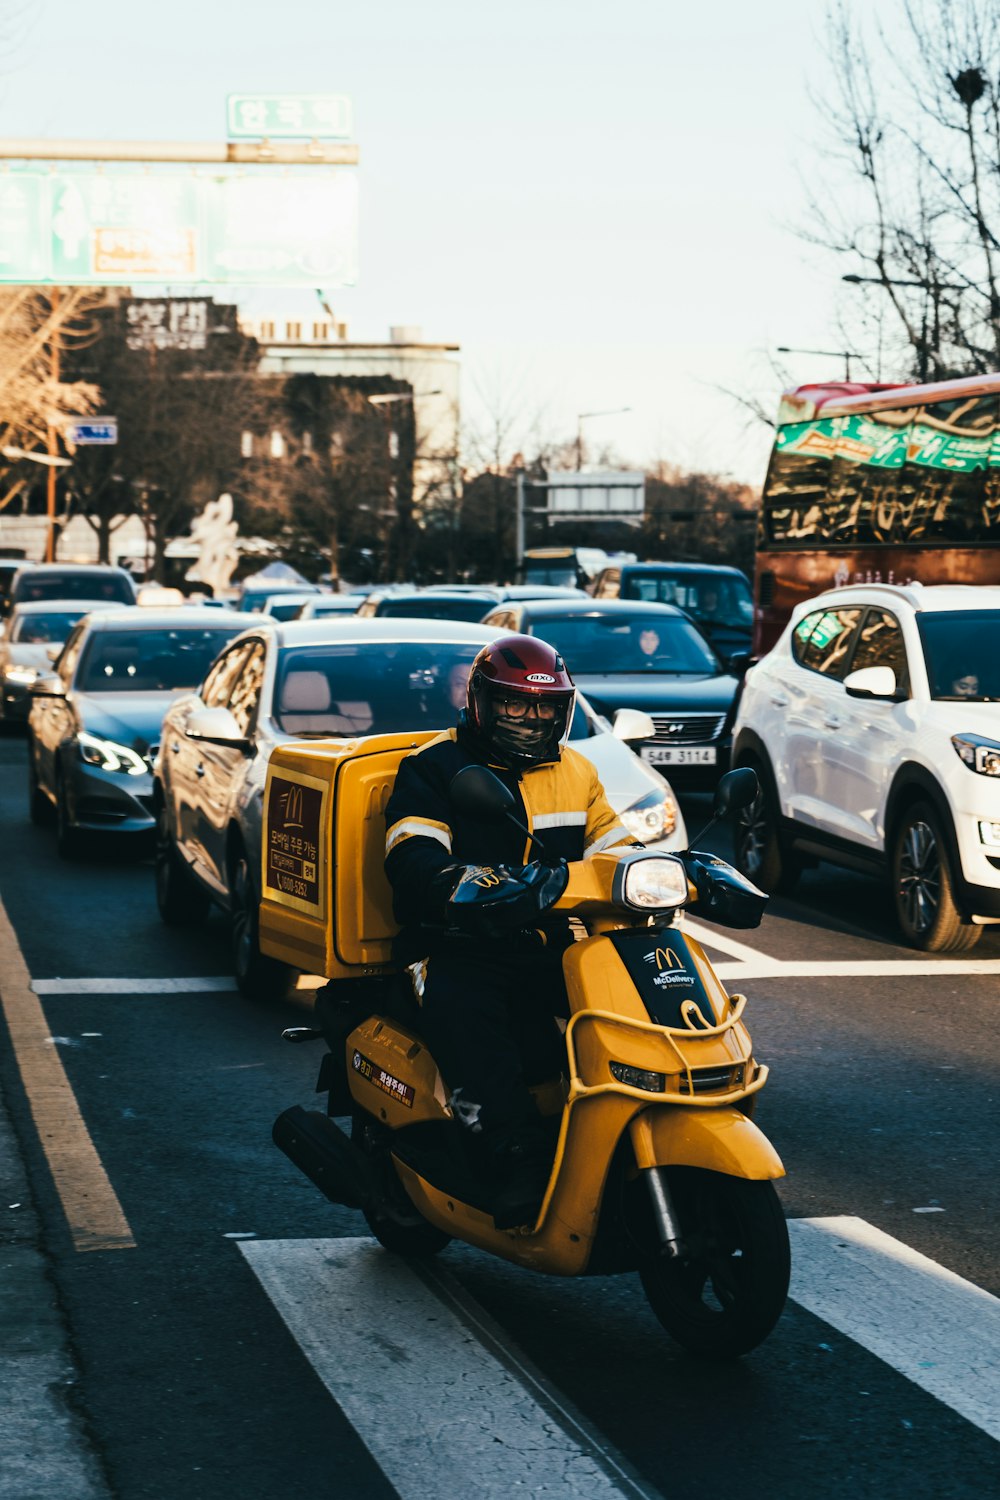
(326,906)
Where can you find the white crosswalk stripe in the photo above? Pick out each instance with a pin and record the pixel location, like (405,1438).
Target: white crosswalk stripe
(381,1335)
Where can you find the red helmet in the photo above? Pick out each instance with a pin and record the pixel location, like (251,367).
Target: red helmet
(520,670)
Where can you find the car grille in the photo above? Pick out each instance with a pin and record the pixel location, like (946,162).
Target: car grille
(687,729)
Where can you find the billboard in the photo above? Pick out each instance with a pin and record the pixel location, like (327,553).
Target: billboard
(263,227)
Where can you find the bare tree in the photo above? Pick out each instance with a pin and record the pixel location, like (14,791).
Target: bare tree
(915,115)
(40,330)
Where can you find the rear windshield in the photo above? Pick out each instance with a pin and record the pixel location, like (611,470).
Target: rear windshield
(711,598)
(638,643)
(50,628)
(469,609)
(75,583)
(334,607)
(149,661)
(962,652)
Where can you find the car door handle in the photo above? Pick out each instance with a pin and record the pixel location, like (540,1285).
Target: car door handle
(199,771)
(779,700)
(832,721)
(175,747)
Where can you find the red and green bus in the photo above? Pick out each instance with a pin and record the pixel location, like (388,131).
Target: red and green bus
(878,484)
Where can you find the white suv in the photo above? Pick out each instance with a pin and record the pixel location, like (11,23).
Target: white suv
(874,726)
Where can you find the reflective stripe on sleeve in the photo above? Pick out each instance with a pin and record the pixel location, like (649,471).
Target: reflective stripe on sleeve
(618,835)
(560,820)
(409,828)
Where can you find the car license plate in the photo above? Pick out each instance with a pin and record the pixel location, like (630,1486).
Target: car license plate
(679,755)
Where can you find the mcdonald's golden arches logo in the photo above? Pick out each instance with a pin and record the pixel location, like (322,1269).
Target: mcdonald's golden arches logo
(291,807)
(664,958)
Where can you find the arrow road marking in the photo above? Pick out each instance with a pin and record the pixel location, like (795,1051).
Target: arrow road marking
(384,1342)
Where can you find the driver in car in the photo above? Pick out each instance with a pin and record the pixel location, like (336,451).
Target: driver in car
(490,993)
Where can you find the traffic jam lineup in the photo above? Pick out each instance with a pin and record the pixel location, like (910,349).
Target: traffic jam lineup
(499,941)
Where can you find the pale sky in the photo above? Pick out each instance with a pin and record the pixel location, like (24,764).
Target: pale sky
(597,202)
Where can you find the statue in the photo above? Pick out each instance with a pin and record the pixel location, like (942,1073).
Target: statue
(215,532)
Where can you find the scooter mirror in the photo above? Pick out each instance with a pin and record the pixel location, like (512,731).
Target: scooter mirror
(478,793)
(736,790)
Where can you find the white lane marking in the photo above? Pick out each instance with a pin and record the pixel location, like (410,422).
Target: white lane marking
(420,1389)
(709,937)
(886,968)
(214,984)
(938,1330)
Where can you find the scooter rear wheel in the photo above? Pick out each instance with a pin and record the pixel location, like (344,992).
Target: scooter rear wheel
(416,1240)
(723,1298)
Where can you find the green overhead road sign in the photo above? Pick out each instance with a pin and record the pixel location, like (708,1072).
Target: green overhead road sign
(125,228)
(289,116)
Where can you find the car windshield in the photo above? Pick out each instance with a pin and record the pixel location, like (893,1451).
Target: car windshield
(711,598)
(285,609)
(75,583)
(962,652)
(431,607)
(149,661)
(334,607)
(628,643)
(50,628)
(388,688)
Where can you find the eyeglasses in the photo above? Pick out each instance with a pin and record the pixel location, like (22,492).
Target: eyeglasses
(519,708)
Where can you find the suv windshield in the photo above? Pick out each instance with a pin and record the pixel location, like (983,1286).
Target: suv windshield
(74,583)
(631,643)
(149,661)
(714,598)
(962,652)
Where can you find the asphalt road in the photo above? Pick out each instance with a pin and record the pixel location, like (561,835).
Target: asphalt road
(197,1380)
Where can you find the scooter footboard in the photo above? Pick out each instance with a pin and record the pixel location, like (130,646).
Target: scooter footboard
(721,1140)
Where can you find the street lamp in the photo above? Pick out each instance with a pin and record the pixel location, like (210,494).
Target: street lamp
(845,354)
(584,416)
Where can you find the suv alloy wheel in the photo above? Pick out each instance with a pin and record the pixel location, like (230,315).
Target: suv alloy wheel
(923,886)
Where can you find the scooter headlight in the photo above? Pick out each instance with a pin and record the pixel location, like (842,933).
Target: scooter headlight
(657,882)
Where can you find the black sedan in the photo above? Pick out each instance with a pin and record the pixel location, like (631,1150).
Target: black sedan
(94,723)
(643,656)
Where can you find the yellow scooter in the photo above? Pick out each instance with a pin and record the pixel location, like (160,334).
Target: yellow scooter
(657,1165)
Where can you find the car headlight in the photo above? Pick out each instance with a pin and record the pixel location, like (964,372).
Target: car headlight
(979,754)
(20,674)
(656,883)
(655,817)
(109,755)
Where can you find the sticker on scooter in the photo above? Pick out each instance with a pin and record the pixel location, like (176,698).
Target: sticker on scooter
(394,1087)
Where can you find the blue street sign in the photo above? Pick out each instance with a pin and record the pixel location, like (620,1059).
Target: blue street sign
(103,431)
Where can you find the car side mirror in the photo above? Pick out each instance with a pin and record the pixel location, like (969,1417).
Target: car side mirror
(871,682)
(739,662)
(632,724)
(49,685)
(216,726)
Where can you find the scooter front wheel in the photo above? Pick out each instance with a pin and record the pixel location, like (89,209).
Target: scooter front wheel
(725,1294)
(402,1231)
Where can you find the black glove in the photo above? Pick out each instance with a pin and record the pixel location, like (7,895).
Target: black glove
(490,897)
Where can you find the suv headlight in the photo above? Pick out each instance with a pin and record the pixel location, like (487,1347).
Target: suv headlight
(656,883)
(655,817)
(979,754)
(16,673)
(109,755)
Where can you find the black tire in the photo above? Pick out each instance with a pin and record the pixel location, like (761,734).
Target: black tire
(757,841)
(179,898)
(414,1240)
(724,1298)
(923,885)
(257,976)
(71,842)
(39,806)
